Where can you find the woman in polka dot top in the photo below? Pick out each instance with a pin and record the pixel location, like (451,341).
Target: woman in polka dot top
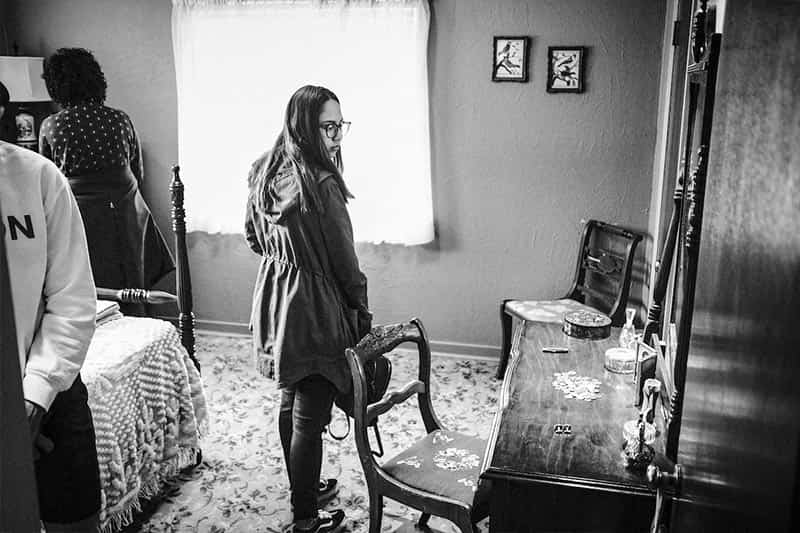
(96,147)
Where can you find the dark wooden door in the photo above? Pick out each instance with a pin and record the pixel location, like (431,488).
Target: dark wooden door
(738,441)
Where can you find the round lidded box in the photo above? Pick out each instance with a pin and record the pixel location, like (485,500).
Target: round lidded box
(587,325)
(620,360)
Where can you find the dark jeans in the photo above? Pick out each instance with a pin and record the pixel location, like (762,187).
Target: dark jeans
(304,413)
(68,478)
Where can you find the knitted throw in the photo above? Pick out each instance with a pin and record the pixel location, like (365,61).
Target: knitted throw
(148,408)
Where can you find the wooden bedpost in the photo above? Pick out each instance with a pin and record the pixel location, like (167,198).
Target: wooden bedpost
(19,507)
(183,280)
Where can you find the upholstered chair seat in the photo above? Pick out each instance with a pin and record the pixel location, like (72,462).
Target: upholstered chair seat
(445,463)
(546,310)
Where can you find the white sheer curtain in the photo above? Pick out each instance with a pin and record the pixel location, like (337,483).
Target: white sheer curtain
(238,62)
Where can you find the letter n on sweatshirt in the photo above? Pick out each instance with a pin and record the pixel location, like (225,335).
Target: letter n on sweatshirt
(15,227)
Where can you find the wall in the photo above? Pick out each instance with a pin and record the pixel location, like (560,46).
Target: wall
(515,170)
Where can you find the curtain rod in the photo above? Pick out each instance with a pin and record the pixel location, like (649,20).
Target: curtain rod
(217,3)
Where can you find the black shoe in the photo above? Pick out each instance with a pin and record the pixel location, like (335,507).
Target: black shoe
(326,522)
(328,489)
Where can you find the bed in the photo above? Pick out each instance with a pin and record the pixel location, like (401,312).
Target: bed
(145,391)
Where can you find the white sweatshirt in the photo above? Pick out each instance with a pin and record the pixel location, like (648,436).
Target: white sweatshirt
(52,288)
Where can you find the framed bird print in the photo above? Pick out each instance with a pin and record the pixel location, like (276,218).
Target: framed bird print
(565,69)
(510,59)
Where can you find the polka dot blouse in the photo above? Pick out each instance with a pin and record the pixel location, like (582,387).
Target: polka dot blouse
(88,138)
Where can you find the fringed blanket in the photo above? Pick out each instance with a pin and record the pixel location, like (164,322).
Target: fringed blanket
(149,411)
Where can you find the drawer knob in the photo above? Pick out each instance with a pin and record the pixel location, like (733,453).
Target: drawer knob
(660,479)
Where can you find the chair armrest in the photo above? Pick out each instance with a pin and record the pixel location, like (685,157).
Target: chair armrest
(129,296)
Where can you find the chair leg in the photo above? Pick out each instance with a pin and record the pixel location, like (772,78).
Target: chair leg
(375,512)
(505,349)
(423,520)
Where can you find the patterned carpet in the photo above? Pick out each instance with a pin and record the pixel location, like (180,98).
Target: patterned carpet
(241,485)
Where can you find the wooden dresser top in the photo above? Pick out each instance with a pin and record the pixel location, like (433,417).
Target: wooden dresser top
(524,444)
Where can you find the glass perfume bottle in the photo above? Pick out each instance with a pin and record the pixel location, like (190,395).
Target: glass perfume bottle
(627,337)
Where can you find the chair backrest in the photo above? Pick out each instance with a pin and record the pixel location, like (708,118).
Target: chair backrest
(604,268)
(381,340)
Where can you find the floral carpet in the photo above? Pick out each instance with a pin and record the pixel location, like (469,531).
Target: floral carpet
(241,484)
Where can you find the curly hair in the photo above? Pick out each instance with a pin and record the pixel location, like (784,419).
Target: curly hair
(73,76)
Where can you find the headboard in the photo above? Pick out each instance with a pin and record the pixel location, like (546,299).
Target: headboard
(183,280)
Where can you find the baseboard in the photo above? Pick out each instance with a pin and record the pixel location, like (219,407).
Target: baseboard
(444,348)
(218,327)
(460,349)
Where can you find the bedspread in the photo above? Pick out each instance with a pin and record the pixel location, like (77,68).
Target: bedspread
(148,408)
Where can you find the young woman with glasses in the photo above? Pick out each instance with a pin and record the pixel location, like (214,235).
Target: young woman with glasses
(310,297)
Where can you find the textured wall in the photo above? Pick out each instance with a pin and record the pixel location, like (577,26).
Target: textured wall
(515,169)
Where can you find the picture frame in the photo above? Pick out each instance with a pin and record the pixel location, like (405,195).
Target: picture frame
(510,58)
(566,67)
(26,130)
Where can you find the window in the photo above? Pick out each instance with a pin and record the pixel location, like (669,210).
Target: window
(238,62)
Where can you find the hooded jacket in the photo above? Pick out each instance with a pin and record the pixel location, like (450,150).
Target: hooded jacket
(310,296)
(52,289)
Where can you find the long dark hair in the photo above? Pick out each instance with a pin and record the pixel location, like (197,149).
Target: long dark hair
(73,76)
(301,146)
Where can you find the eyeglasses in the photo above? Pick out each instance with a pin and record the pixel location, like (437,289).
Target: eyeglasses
(332,129)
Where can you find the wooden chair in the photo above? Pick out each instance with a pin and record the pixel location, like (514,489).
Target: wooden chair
(183,281)
(438,475)
(602,283)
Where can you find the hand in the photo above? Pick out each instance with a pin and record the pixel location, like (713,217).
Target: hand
(35,414)
(364,323)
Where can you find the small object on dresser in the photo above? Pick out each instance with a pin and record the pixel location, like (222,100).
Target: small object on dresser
(645,368)
(620,360)
(562,429)
(577,387)
(587,325)
(635,450)
(627,335)
(631,429)
(555,349)
(651,391)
